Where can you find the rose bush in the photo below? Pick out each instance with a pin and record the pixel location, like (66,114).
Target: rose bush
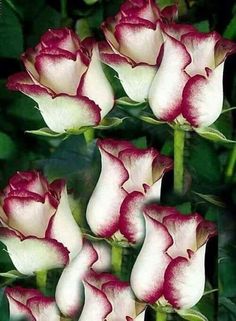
(37,225)
(31,305)
(129,177)
(170,266)
(188,86)
(64,76)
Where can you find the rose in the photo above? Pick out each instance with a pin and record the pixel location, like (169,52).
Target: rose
(129,177)
(37,225)
(65,77)
(135,40)
(106,298)
(110,300)
(188,85)
(31,305)
(170,266)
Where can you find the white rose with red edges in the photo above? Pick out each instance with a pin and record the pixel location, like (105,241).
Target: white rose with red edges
(170,268)
(188,86)
(37,226)
(65,77)
(129,177)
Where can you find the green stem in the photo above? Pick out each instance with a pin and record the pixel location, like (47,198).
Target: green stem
(116,260)
(161,316)
(231,165)
(64,9)
(179,136)
(41,280)
(89,135)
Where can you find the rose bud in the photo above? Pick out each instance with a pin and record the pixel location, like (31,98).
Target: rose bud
(170,266)
(188,87)
(129,177)
(65,77)
(134,41)
(31,305)
(37,225)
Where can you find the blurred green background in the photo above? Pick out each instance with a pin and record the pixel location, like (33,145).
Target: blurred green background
(211,181)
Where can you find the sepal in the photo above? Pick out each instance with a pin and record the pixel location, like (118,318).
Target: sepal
(191,315)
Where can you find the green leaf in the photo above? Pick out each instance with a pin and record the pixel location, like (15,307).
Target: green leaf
(211,199)
(151,120)
(111,122)
(11,36)
(203,26)
(230,31)
(82,28)
(13,274)
(7,146)
(90,2)
(191,315)
(127,102)
(213,134)
(47,132)
(4,308)
(184,208)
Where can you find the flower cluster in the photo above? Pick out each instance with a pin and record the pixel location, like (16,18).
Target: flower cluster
(174,67)
(178,71)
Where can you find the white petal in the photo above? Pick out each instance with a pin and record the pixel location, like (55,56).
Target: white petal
(185,280)
(203,98)
(95,85)
(165,96)
(147,276)
(69,291)
(96,306)
(33,254)
(64,228)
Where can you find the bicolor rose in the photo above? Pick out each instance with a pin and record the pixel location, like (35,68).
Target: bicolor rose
(31,305)
(188,87)
(170,266)
(105,297)
(37,225)
(129,177)
(135,40)
(65,77)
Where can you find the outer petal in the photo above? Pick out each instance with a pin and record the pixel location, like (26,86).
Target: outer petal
(158,212)
(140,317)
(147,276)
(60,73)
(139,42)
(104,257)
(183,229)
(132,224)
(65,112)
(95,85)
(203,98)
(33,254)
(96,306)
(21,81)
(69,291)
(185,280)
(201,47)
(136,80)
(64,228)
(165,96)
(29,216)
(43,308)
(104,205)
(28,181)
(138,163)
(18,310)
(122,300)
(22,295)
